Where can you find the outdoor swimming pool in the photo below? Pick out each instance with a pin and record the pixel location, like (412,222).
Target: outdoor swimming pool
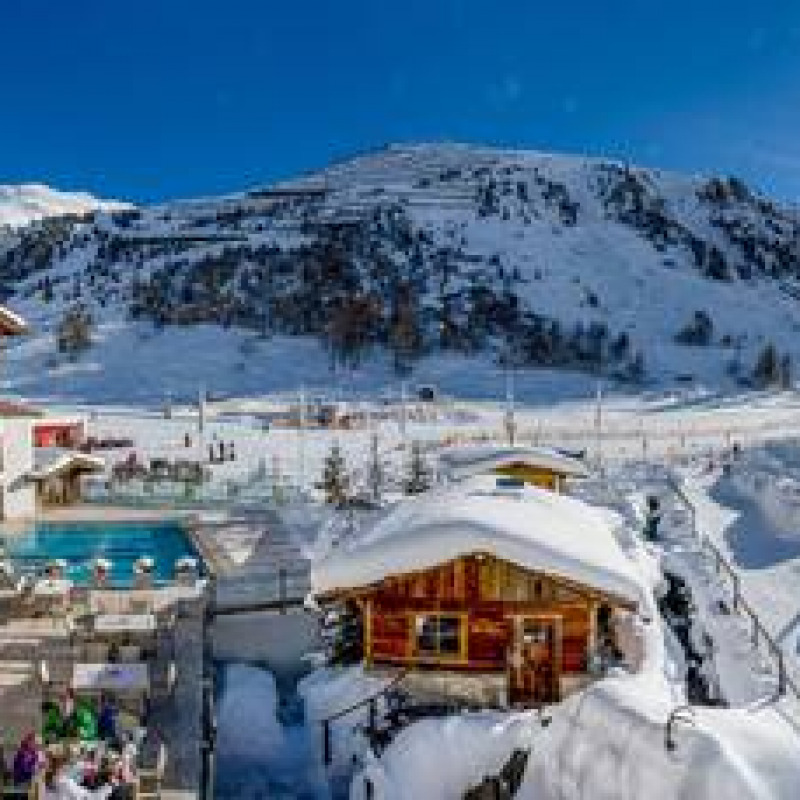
(79,543)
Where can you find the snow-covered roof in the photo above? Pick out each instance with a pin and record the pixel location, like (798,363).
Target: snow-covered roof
(529,526)
(54,461)
(460,462)
(11,324)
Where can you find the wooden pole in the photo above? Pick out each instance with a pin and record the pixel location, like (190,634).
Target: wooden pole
(368,633)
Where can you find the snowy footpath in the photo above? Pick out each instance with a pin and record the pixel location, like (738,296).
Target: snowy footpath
(265,748)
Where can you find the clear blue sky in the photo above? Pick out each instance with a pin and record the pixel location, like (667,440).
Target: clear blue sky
(151,99)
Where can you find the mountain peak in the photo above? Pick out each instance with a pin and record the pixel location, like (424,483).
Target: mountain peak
(21,204)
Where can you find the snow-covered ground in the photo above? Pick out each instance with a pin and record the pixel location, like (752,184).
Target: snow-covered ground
(666,428)
(750,515)
(608,742)
(264,751)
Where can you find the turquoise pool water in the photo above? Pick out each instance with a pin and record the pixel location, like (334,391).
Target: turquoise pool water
(79,543)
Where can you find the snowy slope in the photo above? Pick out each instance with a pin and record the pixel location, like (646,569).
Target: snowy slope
(25,203)
(480,247)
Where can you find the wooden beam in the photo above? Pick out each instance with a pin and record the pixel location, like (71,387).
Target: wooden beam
(368,633)
(592,639)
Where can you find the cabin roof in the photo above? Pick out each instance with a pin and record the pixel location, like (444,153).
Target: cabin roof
(11,324)
(51,461)
(462,462)
(528,526)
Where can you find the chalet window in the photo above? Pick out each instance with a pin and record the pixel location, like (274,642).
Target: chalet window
(438,635)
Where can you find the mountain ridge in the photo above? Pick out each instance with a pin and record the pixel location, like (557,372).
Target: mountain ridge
(508,256)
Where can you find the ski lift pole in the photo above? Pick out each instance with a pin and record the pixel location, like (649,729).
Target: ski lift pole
(201,422)
(598,426)
(301,441)
(403,420)
(510,420)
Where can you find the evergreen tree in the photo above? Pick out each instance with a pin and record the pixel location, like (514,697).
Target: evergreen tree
(699,331)
(343,632)
(636,367)
(767,371)
(786,371)
(335,480)
(419,474)
(74,332)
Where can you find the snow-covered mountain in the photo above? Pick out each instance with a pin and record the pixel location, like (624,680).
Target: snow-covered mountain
(440,259)
(24,203)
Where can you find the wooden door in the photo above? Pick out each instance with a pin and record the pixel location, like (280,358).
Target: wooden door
(536,660)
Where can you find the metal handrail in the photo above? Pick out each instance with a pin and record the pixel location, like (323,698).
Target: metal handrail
(684,713)
(739,601)
(380,693)
(370,701)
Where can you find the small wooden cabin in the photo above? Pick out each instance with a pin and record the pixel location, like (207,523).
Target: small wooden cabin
(482,614)
(508,619)
(58,478)
(537,466)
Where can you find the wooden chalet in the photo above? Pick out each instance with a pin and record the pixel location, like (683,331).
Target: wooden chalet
(58,476)
(494,597)
(538,466)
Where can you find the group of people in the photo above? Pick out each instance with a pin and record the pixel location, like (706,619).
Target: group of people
(89,775)
(79,720)
(219,452)
(81,757)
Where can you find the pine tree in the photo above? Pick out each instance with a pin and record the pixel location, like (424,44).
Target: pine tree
(343,632)
(767,369)
(74,331)
(419,475)
(636,367)
(786,371)
(405,338)
(335,481)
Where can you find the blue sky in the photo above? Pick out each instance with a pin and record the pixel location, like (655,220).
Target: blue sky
(153,99)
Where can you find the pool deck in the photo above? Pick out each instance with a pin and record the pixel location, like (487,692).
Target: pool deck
(239,548)
(94,513)
(26,642)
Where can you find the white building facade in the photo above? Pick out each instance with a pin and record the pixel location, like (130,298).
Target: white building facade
(17,492)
